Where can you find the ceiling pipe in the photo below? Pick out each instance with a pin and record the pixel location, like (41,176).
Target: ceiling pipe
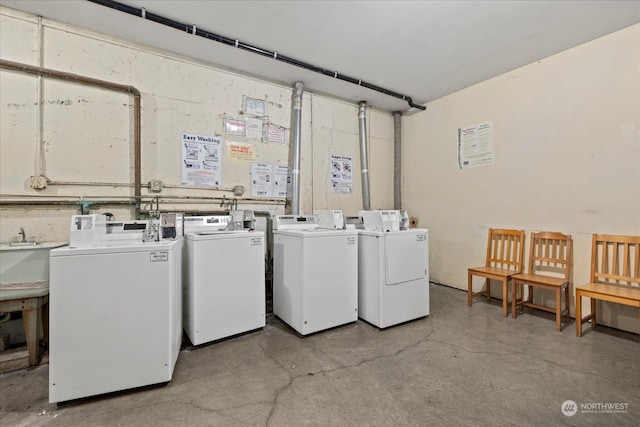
(364,156)
(295,141)
(60,75)
(193,29)
(397,160)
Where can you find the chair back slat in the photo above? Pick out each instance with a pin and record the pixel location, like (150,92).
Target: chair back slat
(550,254)
(615,259)
(636,268)
(505,249)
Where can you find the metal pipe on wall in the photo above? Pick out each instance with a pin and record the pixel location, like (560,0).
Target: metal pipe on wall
(295,141)
(192,29)
(61,75)
(397,160)
(364,156)
(40,158)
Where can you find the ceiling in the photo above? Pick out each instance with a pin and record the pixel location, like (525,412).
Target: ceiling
(421,49)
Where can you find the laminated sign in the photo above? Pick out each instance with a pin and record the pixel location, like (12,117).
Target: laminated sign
(341,173)
(201,164)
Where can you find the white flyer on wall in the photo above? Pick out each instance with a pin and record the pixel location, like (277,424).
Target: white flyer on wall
(261,179)
(341,173)
(254,128)
(475,145)
(254,107)
(201,163)
(276,134)
(269,180)
(282,183)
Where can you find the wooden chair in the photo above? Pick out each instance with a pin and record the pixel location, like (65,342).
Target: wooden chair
(549,268)
(615,275)
(504,259)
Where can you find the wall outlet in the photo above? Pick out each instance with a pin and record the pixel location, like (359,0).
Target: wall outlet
(155,185)
(238,190)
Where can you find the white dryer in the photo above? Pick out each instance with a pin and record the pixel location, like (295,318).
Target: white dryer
(315,274)
(223,279)
(115,314)
(393,270)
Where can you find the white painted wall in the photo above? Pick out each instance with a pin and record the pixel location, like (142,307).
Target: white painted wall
(567,158)
(336,131)
(88,132)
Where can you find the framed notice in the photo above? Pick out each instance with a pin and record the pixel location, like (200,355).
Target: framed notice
(235,127)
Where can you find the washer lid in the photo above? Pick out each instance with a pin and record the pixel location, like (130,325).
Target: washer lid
(227,234)
(118,247)
(318,232)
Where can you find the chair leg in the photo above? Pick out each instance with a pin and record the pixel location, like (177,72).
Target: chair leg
(30,321)
(558,310)
(514,298)
(505,298)
(578,314)
(469,288)
(593,313)
(487,285)
(567,304)
(45,323)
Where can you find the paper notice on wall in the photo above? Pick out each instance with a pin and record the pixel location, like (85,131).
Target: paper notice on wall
(341,173)
(475,145)
(282,183)
(254,107)
(254,128)
(261,179)
(276,134)
(201,164)
(235,127)
(241,152)
(269,180)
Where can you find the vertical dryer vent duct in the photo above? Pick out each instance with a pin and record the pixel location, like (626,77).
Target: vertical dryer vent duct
(294,148)
(364,157)
(397,160)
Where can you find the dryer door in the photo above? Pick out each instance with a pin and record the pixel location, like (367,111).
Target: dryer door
(405,256)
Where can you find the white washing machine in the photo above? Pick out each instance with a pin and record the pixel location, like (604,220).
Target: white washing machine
(315,274)
(393,270)
(115,316)
(223,280)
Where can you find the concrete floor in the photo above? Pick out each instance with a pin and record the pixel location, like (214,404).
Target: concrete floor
(460,366)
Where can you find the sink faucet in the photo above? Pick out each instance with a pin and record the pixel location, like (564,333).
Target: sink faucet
(22,233)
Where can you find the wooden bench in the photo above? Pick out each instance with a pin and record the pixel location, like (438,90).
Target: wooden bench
(615,275)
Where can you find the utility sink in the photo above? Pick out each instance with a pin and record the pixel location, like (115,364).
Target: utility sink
(12,244)
(25,261)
